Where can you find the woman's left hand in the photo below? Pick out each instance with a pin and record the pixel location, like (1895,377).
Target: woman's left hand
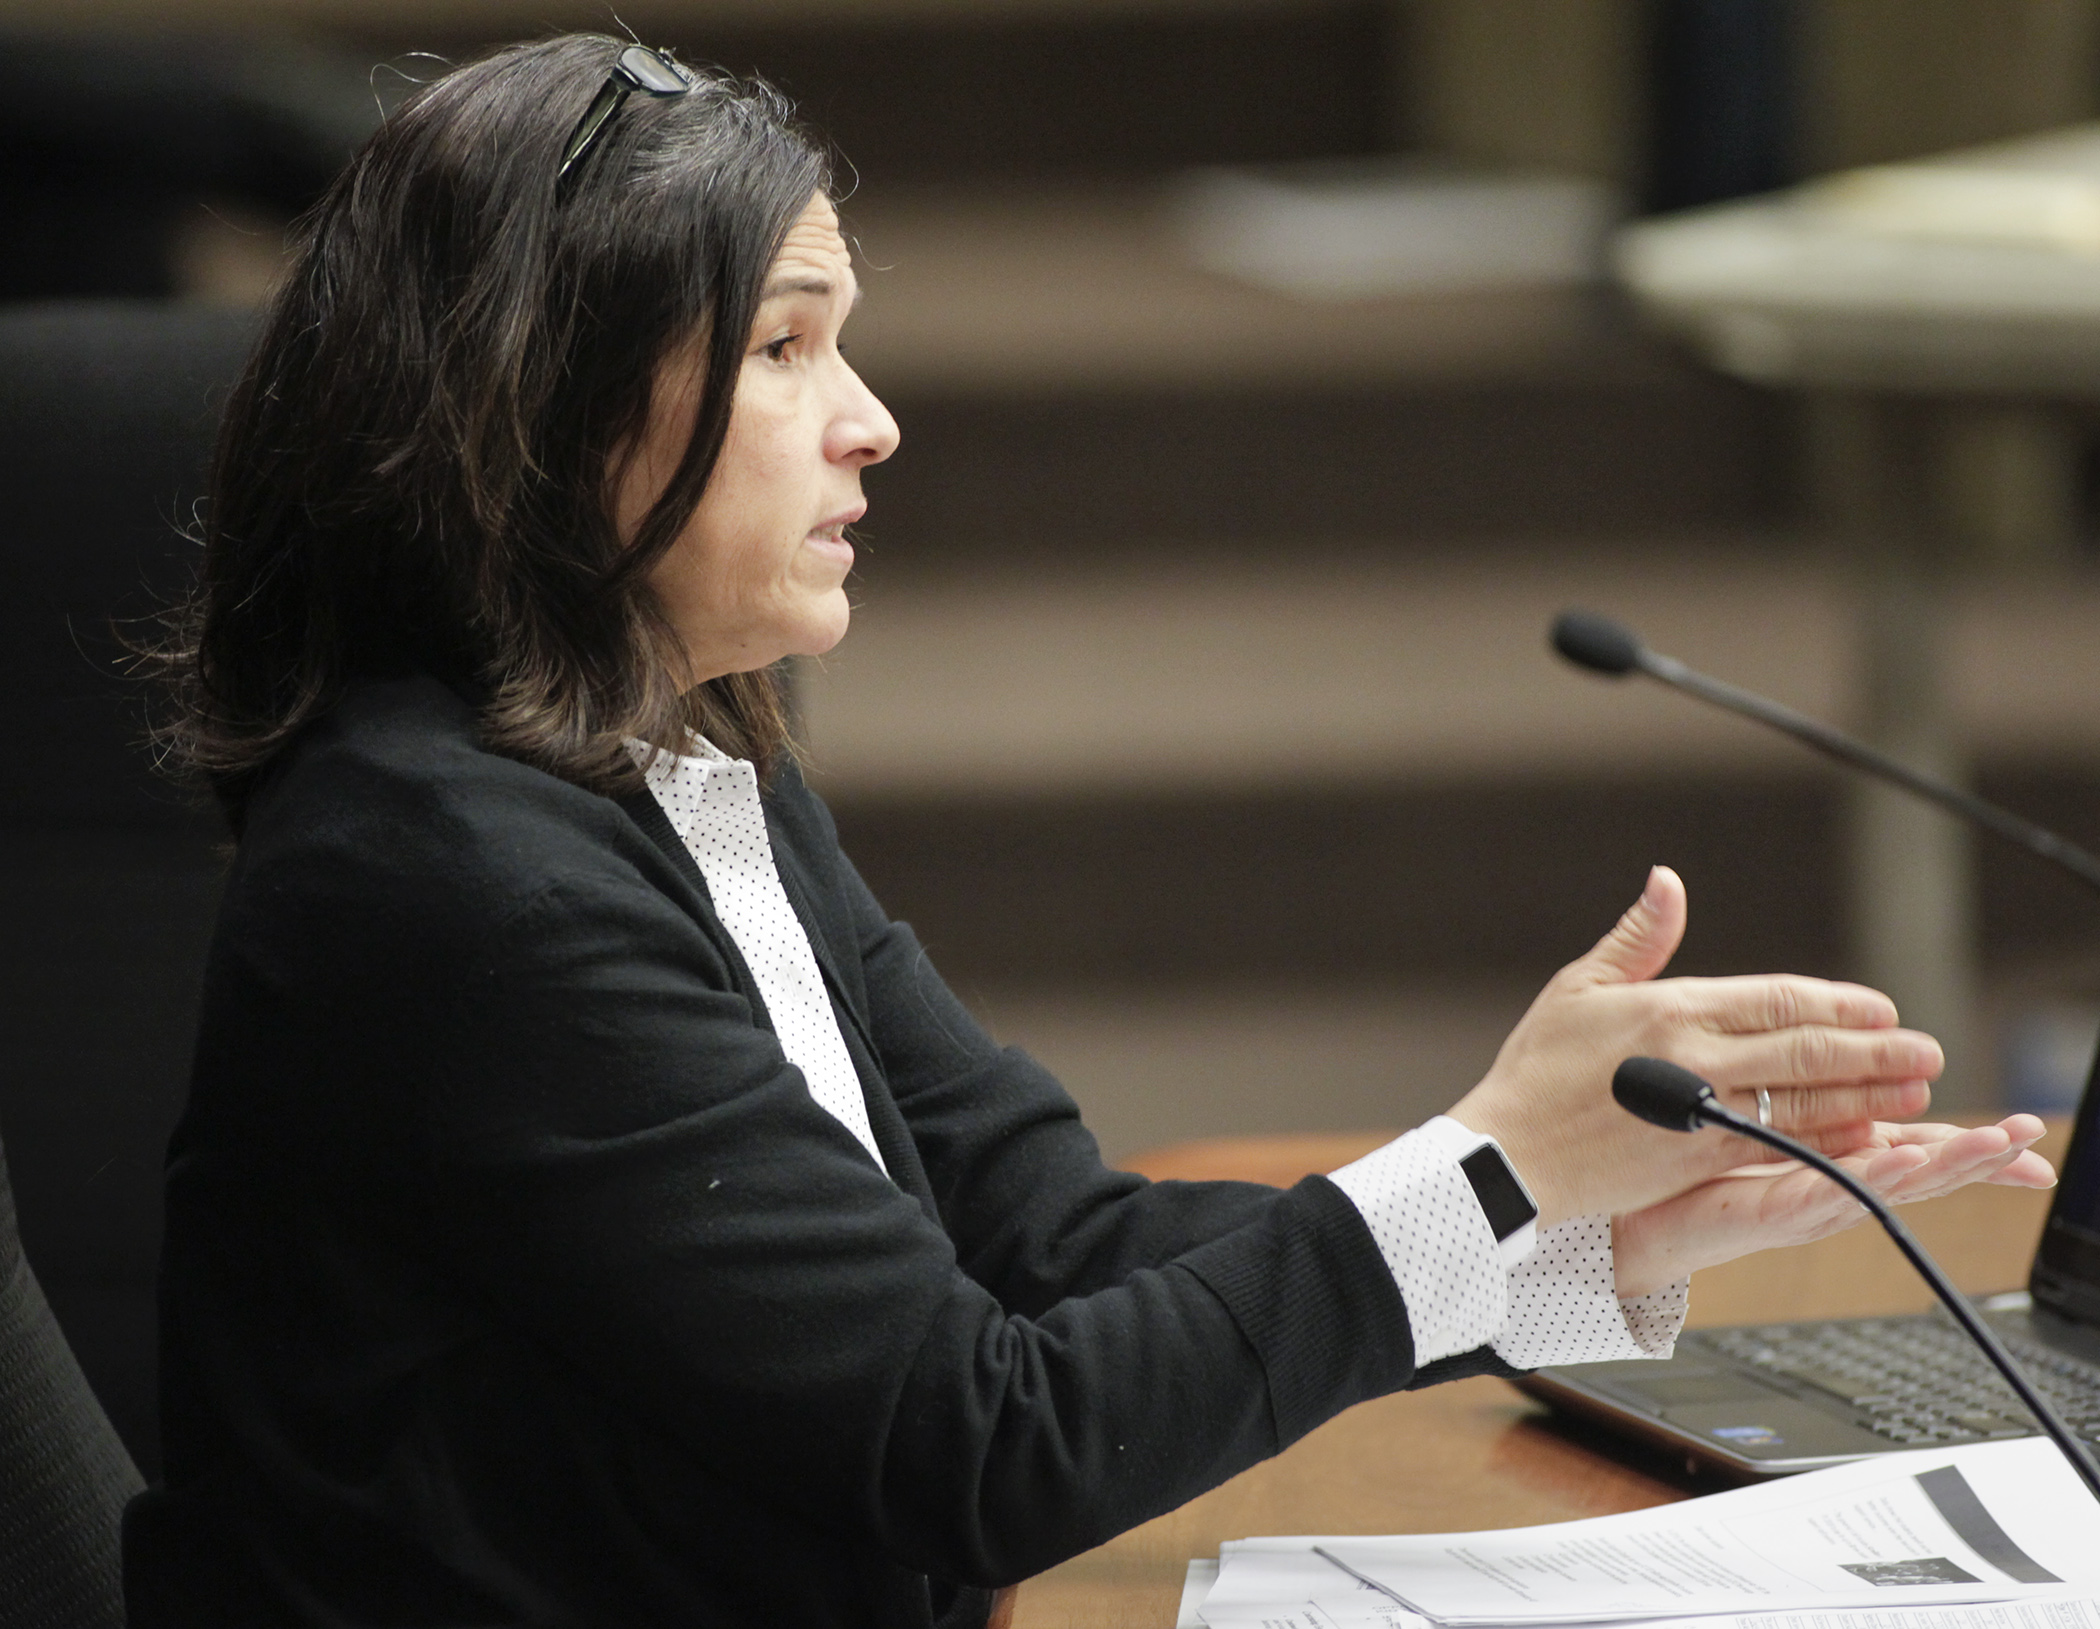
(1761,1207)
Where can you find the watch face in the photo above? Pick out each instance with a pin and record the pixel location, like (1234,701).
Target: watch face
(1502,1197)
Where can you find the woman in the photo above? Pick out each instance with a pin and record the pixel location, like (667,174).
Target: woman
(591,1209)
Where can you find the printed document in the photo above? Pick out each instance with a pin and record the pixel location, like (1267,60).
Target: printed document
(2067,1612)
(1994,1521)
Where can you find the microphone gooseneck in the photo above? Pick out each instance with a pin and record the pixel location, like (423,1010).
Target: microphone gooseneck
(1663,1094)
(1604,646)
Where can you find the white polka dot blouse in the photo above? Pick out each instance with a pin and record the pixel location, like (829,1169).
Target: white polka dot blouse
(712,802)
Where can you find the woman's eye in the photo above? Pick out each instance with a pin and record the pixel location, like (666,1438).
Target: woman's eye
(776,349)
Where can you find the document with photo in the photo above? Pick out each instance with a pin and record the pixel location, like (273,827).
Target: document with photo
(1994,1521)
(2036,1612)
(1351,1612)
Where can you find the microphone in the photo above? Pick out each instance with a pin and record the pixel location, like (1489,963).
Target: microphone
(1603,646)
(1674,1098)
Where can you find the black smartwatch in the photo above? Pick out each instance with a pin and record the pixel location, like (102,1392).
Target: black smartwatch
(1507,1204)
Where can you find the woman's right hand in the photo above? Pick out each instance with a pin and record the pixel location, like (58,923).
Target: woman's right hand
(1764,1207)
(1830,1054)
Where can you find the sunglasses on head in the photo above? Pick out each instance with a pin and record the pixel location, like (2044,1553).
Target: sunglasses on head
(636,69)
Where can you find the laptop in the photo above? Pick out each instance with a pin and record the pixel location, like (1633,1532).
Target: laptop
(1759,1400)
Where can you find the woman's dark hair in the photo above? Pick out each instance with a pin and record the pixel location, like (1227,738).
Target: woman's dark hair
(418,461)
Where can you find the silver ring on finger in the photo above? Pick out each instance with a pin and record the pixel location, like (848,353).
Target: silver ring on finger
(1764,1107)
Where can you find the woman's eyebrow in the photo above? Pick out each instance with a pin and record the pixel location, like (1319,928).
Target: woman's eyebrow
(822,287)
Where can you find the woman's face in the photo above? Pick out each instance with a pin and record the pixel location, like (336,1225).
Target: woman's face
(760,570)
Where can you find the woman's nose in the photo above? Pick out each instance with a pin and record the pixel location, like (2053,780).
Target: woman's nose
(863,433)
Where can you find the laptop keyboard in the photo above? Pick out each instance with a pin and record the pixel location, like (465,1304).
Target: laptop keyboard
(1916,1381)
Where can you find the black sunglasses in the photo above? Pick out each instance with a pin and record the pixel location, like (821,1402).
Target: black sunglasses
(637,69)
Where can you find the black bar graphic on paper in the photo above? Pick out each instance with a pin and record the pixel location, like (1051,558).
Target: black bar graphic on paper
(1959,1507)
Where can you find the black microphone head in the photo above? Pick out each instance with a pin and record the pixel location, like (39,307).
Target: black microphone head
(1661,1093)
(1597,643)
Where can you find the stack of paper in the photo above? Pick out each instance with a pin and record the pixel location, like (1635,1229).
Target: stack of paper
(1994,1536)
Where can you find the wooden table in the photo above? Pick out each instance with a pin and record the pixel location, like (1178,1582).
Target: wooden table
(1479,1454)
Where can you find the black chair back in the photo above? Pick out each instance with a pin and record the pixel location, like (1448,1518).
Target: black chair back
(64,1476)
(108,877)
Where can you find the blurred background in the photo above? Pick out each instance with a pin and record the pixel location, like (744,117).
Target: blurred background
(1266,388)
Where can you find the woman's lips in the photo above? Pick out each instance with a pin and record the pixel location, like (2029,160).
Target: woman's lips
(831,535)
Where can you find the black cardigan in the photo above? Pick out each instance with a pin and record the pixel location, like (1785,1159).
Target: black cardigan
(513,1277)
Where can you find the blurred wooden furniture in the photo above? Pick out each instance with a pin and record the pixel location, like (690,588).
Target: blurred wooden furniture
(1938,321)
(1478,1454)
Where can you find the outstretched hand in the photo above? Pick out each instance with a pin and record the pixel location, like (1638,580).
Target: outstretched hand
(1829,1053)
(1761,1207)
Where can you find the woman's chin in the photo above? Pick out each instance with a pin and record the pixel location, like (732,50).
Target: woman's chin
(815,628)
(825,626)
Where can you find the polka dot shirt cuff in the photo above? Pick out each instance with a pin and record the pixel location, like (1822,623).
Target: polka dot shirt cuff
(1556,1306)
(1563,1307)
(1429,1228)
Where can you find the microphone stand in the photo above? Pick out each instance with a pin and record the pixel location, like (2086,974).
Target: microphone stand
(1609,648)
(1709,1108)
(1813,733)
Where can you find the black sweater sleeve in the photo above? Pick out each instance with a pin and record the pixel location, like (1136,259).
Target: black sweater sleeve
(1020,1184)
(627,1168)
